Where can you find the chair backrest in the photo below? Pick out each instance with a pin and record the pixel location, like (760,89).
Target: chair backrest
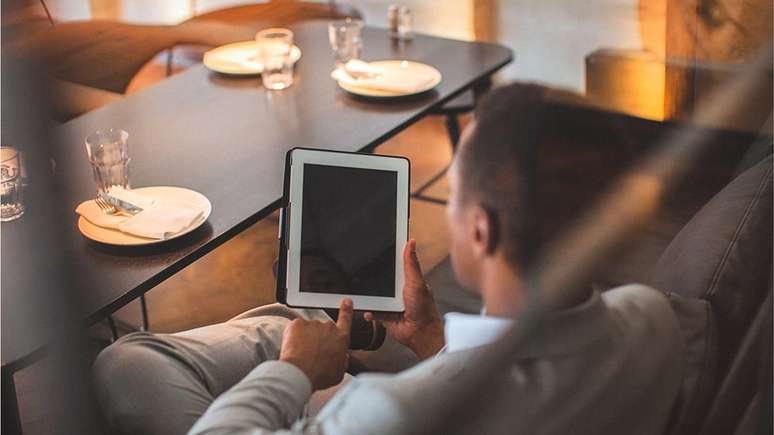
(279,13)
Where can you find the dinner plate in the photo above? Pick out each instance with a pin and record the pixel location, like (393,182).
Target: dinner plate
(114,237)
(239,58)
(411,66)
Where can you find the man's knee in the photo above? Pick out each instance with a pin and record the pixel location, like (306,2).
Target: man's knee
(146,383)
(124,373)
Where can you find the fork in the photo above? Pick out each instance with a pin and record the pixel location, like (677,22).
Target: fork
(105,206)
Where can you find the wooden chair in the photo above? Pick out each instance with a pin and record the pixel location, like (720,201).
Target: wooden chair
(278,13)
(107,54)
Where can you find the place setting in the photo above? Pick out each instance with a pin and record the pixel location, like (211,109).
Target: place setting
(273,55)
(379,79)
(120,215)
(240,58)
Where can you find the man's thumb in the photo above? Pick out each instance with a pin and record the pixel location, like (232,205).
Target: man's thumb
(411,265)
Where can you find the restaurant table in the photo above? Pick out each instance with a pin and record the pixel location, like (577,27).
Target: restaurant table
(225,137)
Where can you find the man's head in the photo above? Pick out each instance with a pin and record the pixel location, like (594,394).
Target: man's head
(489,204)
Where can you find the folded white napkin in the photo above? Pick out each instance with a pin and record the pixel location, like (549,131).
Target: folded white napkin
(400,80)
(159,219)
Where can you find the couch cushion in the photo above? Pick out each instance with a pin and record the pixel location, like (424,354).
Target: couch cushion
(724,255)
(698,331)
(743,400)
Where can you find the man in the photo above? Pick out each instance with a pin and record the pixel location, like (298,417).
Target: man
(607,363)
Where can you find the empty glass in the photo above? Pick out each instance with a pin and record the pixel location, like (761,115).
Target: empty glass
(274,47)
(108,152)
(346,40)
(11,205)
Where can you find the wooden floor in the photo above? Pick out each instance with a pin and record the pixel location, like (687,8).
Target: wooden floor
(237,276)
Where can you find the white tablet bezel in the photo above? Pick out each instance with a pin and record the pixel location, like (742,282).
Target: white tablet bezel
(299,157)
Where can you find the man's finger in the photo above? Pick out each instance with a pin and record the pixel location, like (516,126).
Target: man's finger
(411,265)
(344,322)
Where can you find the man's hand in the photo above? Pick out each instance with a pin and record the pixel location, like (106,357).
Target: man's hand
(319,349)
(419,327)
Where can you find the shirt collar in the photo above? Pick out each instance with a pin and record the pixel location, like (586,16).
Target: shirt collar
(464,331)
(562,332)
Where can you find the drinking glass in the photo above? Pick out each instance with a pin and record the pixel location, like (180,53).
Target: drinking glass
(11,205)
(274,47)
(108,152)
(346,40)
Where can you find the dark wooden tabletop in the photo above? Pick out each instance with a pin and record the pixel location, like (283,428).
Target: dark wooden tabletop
(227,138)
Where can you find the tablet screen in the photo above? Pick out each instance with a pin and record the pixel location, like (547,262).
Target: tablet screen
(348,231)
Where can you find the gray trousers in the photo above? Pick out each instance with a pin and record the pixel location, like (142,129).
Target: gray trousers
(150,383)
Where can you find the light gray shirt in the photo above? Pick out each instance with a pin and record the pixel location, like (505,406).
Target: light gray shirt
(611,365)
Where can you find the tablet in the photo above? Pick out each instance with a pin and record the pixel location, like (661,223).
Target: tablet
(343,230)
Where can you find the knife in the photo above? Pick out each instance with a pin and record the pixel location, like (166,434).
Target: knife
(120,204)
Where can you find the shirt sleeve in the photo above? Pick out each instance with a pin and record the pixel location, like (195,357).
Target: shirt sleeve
(267,401)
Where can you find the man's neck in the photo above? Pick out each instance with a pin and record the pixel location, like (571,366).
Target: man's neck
(501,288)
(504,292)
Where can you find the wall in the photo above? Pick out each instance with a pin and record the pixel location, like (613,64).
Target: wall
(68,10)
(448,18)
(552,38)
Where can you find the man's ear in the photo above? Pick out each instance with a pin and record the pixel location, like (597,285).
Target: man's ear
(484,231)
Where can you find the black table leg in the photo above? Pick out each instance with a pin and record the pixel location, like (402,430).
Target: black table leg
(113,328)
(451,113)
(10,406)
(481,87)
(113,323)
(170,61)
(144,309)
(453,129)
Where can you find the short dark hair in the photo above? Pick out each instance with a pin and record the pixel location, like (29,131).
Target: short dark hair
(497,163)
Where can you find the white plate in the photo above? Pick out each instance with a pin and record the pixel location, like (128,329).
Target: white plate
(418,67)
(227,59)
(115,237)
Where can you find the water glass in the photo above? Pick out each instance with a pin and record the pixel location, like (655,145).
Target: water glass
(108,152)
(346,40)
(11,199)
(274,46)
